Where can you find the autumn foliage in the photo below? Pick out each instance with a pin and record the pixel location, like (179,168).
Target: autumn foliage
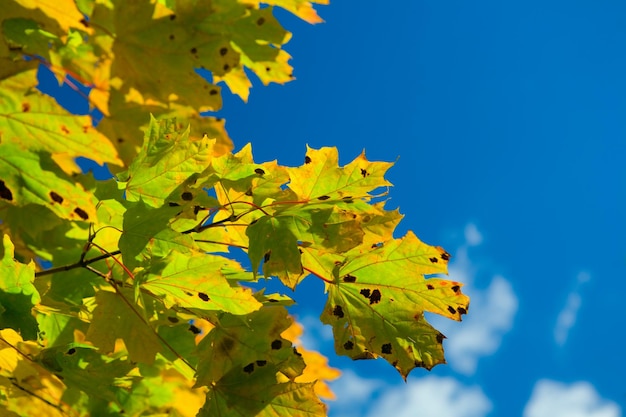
(125,295)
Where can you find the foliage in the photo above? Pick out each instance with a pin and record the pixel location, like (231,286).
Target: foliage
(125,295)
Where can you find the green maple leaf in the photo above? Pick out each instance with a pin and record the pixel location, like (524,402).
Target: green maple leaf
(198,282)
(18,295)
(377,301)
(248,345)
(117,316)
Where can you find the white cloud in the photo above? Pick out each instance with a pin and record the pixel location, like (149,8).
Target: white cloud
(431,396)
(555,399)
(316,335)
(567,317)
(354,394)
(491,314)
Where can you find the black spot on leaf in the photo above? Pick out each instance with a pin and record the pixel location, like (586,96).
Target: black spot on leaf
(260,21)
(277,344)
(295,352)
(226,67)
(365,292)
(187,196)
(172,16)
(451,310)
(55,197)
(203,296)
(338,311)
(193,329)
(462,310)
(324,197)
(445,256)
(249,192)
(223,51)
(430,287)
(267,69)
(25,107)
(81,213)
(440,338)
(71,351)
(349,278)
(364,173)
(348,200)
(272,300)
(249,368)
(172,37)
(456,289)
(386,348)
(348,345)
(173,204)
(189,293)
(433,260)
(172,319)
(259,171)
(194,51)
(375,297)
(213,92)
(307,160)
(196,209)
(261,363)
(84,22)
(267,255)
(120,140)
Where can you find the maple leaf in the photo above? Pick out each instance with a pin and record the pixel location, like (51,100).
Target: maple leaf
(18,295)
(377,300)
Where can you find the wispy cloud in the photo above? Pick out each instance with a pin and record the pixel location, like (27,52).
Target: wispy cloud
(491,315)
(555,399)
(567,317)
(354,394)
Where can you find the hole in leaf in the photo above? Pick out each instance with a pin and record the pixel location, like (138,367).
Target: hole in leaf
(386,348)
(81,213)
(203,296)
(55,197)
(277,344)
(249,368)
(338,311)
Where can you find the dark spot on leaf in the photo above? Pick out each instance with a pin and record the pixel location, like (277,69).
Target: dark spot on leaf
(261,363)
(173,204)
(365,292)
(196,209)
(440,338)
(277,344)
(71,351)
(55,197)
(348,200)
(364,173)
(349,278)
(386,349)
(451,310)
(25,107)
(226,345)
(307,160)
(430,287)
(81,213)
(249,192)
(213,92)
(375,297)
(445,256)
(189,293)
(267,255)
(171,37)
(259,171)
(260,21)
(338,311)
(348,345)
(203,296)
(187,196)
(194,51)
(249,368)
(419,364)
(172,16)
(226,67)
(65,129)
(223,51)
(456,288)
(193,329)
(433,260)
(295,352)
(462,310)
(84,22)
(172,319)
(324,197)
(394,363)
(120,140)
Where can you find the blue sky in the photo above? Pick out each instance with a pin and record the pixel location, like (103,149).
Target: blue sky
(507,123)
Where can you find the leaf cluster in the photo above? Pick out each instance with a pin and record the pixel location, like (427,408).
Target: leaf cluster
(125,296)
